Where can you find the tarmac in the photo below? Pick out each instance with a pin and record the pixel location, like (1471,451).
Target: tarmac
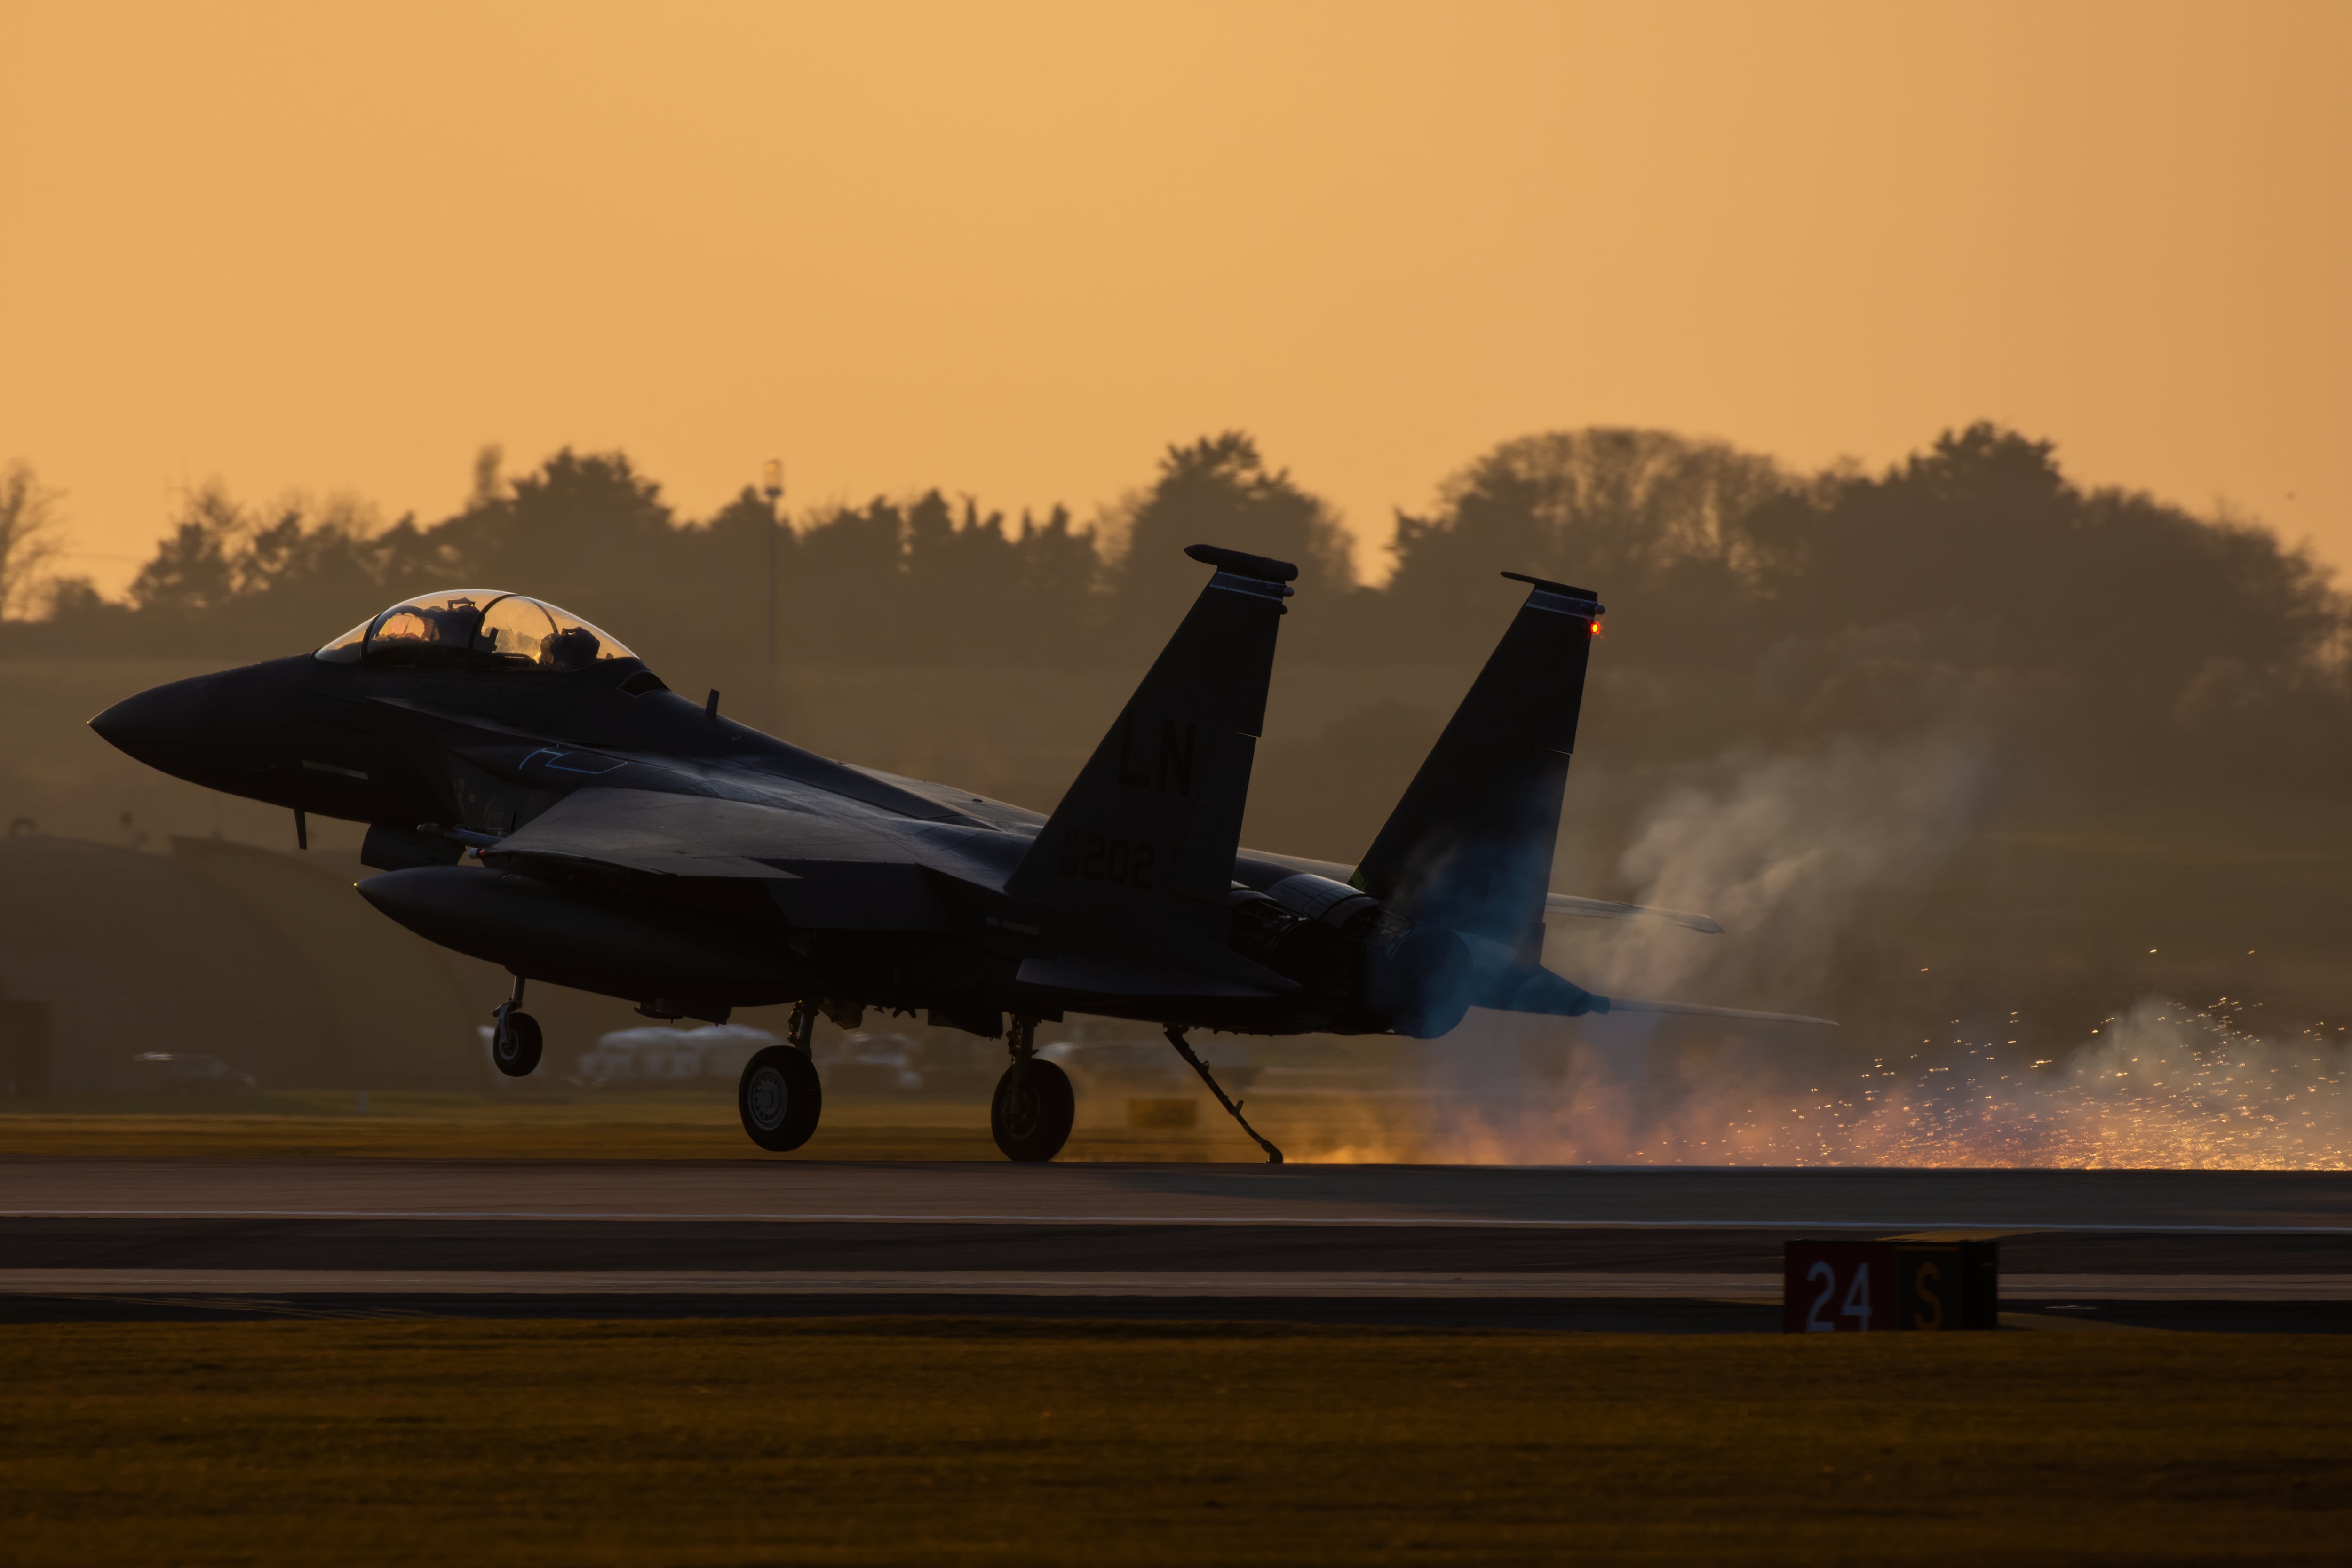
(1669,1249)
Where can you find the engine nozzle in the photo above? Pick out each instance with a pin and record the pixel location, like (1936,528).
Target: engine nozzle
(1366,970)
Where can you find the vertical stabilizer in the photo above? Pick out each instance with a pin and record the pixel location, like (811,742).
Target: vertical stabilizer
(1146,837)
(1469,845)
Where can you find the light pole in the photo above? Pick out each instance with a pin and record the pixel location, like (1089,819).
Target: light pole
(771,485)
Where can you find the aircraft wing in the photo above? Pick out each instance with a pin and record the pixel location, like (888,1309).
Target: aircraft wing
(995,813)
(680,835)
(1554,904)
(824,872)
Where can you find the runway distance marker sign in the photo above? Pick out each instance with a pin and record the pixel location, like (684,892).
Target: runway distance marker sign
(1880,1287)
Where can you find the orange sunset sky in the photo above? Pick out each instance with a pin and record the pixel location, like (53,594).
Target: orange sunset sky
(1014,249)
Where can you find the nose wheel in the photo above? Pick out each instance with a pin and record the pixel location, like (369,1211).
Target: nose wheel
(514,1041)
(1034,1104)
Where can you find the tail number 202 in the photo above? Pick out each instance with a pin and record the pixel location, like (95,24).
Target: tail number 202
(1122,862)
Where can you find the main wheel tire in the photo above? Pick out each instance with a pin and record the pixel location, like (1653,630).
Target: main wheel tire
(516,1046)
(1032,1113)
(780,1099)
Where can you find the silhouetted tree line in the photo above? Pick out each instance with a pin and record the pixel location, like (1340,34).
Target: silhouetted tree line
(1970,582)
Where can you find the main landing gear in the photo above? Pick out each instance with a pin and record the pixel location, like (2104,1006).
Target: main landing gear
(779,1096)
(515,1042)
(1034,1104)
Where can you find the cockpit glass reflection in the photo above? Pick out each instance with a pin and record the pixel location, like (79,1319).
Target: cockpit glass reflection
(515,634)
(476,630)
(434,632)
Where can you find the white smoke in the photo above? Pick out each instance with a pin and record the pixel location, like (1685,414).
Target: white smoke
(1794,854)
(1786,852)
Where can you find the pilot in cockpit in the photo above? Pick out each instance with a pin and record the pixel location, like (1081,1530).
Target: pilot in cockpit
(475,629)
(570,648)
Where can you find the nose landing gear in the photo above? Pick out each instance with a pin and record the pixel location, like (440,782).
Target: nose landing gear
(1034,1104)
(515,1042)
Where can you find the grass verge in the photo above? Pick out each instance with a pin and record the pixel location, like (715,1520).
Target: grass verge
(1003,1442)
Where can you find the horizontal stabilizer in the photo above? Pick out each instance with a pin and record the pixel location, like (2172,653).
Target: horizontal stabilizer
(1622,1004)
(1602,909)
(1530,988)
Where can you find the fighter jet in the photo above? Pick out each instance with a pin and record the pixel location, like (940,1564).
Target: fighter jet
(633,842)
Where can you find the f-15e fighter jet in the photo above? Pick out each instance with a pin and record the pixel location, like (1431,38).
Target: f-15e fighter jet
(635,843)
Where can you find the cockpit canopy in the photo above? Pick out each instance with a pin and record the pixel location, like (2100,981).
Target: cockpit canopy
(475,628)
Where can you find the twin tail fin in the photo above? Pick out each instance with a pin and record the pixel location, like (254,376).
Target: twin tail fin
(1469,845)
(1144,840)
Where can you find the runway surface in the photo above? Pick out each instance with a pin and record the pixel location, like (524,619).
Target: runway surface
(1678,1248)
(1383,1194)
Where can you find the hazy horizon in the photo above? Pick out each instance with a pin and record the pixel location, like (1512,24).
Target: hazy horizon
(1017,254)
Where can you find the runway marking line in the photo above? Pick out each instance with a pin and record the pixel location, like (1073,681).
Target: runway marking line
(1955,1235)
(1467,1284)
(1461,1284)
(1936,1232)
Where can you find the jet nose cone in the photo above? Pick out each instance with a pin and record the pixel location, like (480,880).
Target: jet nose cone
(161,728)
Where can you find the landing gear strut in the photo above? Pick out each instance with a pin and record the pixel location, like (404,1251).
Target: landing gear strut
(779,1096)
(1233,1108)
(515,1042)
(1035,1105)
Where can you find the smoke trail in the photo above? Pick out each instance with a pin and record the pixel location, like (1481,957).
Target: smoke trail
(1791,853)
(1786,851)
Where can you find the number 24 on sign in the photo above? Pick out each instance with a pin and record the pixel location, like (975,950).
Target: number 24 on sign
(1838,1287)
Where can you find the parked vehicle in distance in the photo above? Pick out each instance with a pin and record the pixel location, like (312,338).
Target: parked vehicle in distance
(875,1063)
(659,1054)
(193,1072)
